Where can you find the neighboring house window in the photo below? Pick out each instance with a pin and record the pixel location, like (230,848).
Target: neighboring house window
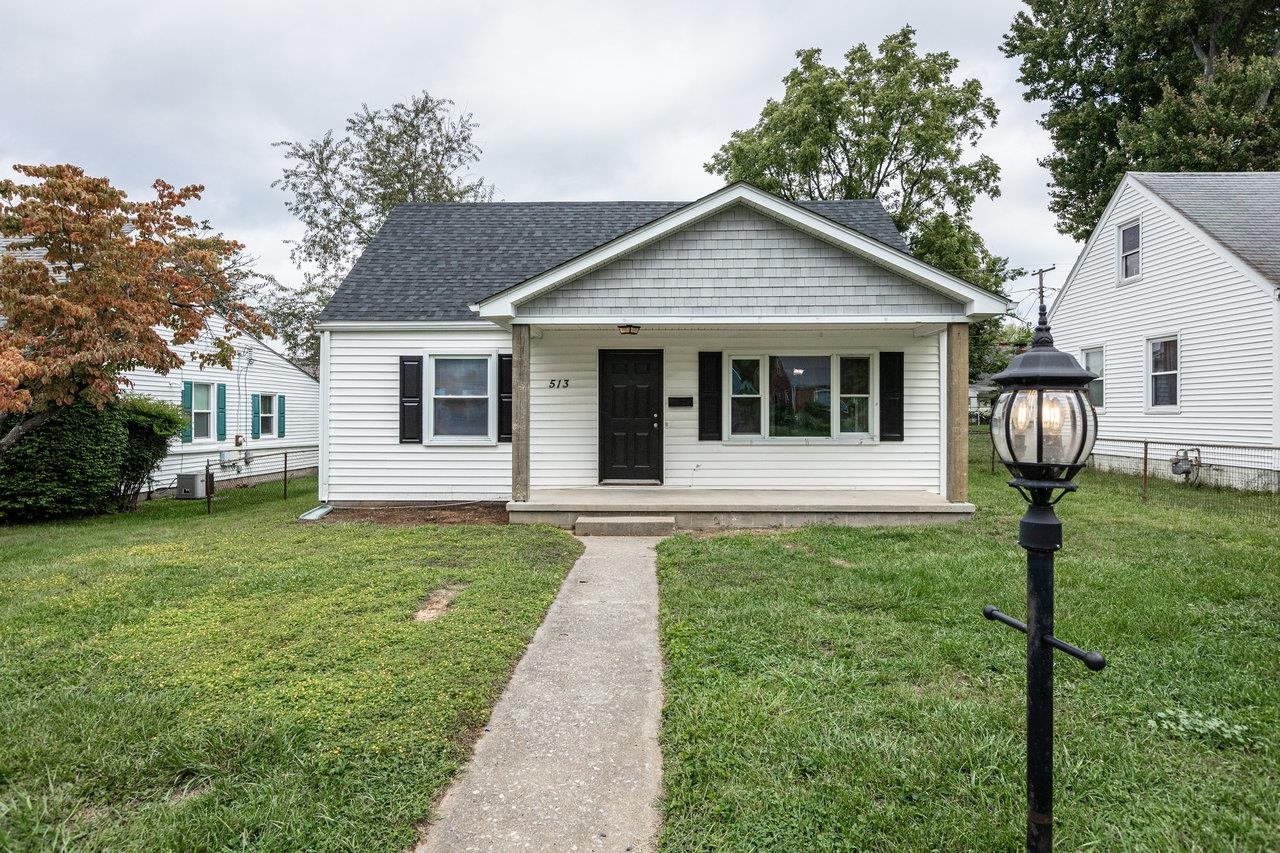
(1130,251)
(462,408)
(201,410)
(267,415)
(792,396)
(1093,362)
(746,403)
(1163,369)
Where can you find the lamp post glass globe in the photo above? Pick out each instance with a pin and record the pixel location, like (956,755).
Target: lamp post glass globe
(1044,433)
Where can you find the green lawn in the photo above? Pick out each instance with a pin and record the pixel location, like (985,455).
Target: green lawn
(175,681)
(839,689)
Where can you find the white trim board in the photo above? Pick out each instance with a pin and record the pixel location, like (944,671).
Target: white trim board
(978,303)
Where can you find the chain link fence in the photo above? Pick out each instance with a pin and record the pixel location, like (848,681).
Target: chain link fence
(1234,478)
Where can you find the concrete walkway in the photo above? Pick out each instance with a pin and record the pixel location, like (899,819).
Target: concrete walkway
(570,758)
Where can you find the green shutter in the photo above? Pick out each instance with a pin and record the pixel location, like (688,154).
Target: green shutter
(186,410)
(222,412)
(255,426)
(280,416)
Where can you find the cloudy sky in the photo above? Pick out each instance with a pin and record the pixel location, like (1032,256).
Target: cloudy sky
(592,100)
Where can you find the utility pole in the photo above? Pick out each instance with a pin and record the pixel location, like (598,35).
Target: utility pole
(1040,275)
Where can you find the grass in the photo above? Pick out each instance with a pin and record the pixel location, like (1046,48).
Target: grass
(838,688)
(170,680)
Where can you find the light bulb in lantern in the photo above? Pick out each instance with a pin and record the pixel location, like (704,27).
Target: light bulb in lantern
(1051,414)
(1024,410)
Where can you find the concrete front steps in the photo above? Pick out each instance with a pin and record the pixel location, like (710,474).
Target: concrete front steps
(625,525)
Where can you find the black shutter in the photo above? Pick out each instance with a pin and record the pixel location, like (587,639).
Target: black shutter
(504,398)
(709,379)
(891,396)
(410,399)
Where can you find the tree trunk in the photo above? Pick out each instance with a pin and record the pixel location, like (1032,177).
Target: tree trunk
(21,428)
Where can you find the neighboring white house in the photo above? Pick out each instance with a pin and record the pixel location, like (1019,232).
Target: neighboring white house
(736,360)
(240,421)
(1174,304)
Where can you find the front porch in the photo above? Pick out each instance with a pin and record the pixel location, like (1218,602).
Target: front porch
(702,509)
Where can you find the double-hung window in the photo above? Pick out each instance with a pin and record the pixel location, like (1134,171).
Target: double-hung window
(855,395)
(201,410)
(462,409)
(267,414)
(1094,363)
(1130,260)
(746,403)
(1162,370)
(798,397)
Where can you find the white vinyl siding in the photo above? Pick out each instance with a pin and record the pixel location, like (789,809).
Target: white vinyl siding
(1225,322)
(255,367)
(366,461)
(564,450)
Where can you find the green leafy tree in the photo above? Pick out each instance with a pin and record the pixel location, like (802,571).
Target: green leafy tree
(892,125)
(1155,85)
(341,189)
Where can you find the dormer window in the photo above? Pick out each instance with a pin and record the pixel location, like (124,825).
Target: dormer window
(1130,251)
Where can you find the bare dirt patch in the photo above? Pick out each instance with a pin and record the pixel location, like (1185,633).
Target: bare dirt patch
(478,513)
(188,791)
(438,602)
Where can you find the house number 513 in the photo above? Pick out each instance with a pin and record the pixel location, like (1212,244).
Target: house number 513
(558,383)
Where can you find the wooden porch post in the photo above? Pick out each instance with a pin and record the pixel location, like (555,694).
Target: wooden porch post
(957,411)
(520,413)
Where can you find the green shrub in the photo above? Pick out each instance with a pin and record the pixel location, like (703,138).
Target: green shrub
(67,466)
(151,424)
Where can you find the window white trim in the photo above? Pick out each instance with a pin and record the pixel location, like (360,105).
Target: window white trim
(1148,384)
(1121,254)
(1102,377)
(263,432)
(834,435)
(211,411)
(762,379)
(429,397)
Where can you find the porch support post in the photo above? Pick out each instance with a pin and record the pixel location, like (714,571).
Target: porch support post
(957,411)
(520,413)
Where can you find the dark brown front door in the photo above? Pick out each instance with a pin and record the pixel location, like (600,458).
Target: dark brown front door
(631,415)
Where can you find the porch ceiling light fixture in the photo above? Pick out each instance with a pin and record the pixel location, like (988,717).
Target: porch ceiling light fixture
(628,329)
(1043,427)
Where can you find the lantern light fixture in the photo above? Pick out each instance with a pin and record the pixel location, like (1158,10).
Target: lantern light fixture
(1043,427)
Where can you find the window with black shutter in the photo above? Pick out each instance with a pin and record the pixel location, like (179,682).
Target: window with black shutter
(891,396)
(410,399)
(504,398)
(709,394)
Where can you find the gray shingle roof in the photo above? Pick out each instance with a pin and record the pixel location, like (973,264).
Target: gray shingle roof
(430,261)
(1241,210)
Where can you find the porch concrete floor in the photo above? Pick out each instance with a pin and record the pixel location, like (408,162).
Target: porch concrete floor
(724,508)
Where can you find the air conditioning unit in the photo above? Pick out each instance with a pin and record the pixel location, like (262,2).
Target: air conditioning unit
(191,487)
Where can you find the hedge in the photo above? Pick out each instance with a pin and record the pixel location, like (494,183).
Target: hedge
(67,466)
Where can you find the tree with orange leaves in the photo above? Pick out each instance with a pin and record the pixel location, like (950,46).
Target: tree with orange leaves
(90,278)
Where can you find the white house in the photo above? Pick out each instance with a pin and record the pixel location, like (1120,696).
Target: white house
(1174,304)
(738,360)
(240,421)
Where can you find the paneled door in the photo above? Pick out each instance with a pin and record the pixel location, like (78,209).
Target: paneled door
(631,416)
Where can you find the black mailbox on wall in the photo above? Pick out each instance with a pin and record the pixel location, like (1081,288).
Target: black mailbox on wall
(679,402)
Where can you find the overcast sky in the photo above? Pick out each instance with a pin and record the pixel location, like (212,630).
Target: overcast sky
(575,101)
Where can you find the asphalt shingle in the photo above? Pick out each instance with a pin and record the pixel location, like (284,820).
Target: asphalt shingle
(430,261)
(1241,210)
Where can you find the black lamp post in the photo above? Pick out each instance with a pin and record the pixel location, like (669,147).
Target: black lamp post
(1043,426)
